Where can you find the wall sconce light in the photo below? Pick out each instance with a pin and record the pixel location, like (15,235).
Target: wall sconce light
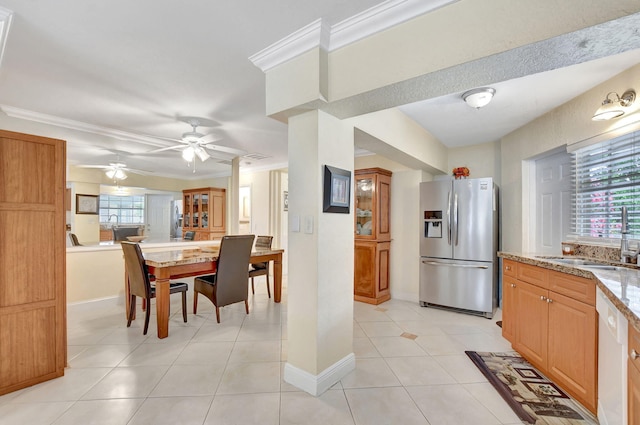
(614,107)
(477,98)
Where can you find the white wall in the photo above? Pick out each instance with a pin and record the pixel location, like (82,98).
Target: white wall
(260,201)
(482,160)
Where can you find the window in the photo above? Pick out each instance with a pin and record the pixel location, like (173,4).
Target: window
(127,209)
(607,177)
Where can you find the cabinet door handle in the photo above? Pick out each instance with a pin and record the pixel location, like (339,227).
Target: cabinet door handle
(634,354)
(549,300)
(513,285)
(543,298)
(507,267)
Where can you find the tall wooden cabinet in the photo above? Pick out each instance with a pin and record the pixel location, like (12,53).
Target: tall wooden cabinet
(550,318)
(33,340)
(633,377)
(372,235)
(204,212)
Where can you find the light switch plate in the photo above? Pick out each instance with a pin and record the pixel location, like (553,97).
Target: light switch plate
(308,224)
(295,223)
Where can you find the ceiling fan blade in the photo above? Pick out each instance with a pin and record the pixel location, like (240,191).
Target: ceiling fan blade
(168,148)
(141,172)
(93,166)
(225,149)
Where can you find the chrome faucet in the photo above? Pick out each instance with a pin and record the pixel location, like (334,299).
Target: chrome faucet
(626,254)
(116,216)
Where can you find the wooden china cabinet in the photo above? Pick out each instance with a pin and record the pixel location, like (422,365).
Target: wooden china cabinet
(372,235)
(204,212)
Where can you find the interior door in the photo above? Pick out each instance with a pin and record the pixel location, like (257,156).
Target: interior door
(158,216)
(33,346)
(553,202)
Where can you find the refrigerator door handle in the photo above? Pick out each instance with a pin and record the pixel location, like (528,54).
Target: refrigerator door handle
(449,217)
(455,219)
(463,266)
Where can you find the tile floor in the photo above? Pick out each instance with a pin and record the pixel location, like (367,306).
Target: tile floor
(206,373)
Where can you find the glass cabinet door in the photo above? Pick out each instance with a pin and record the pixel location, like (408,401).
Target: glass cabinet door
(364,205)
(196,210)
(186,214)
(204,211)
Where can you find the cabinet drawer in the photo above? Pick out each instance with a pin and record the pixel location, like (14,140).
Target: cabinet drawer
(634,344)
(578,288)
(509,268)
(533,274)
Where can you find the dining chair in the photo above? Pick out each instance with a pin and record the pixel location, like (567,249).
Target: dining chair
(189,236)
(229,284)
(140,284)
(74,239)
(261,269)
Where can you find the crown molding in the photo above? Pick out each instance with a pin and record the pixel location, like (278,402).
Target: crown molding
(319,34)
(24,114)
(6,16)
(313,35)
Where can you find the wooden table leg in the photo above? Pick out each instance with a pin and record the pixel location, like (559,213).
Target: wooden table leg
(162,302)
(277,278)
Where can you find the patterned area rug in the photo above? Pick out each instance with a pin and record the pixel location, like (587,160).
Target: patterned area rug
(534,398)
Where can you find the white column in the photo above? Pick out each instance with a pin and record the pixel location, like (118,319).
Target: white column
(320,276)
(234,198)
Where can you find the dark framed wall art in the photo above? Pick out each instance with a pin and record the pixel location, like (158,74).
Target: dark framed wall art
(336,190)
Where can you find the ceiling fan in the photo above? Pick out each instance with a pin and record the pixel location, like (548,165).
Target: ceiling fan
(117,170)
(197,144)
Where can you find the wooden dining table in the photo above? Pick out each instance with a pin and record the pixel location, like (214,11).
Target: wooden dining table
(176,264)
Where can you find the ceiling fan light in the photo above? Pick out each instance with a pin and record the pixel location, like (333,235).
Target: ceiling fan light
(202,154)
(188,154)
(120,174)
(110,173)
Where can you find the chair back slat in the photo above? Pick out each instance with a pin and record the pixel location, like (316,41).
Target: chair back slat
(233,268)
(139,284)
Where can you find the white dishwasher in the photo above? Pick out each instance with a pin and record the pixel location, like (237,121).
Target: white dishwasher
(612,362)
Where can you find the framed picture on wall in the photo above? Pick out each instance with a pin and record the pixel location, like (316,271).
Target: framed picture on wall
(336,190)
(86,204)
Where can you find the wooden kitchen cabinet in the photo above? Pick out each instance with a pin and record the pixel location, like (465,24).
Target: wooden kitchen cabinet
(532,328)
(372,235)
(204,212)
(550,319)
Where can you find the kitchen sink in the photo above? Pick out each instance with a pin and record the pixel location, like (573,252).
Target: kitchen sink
(586,264)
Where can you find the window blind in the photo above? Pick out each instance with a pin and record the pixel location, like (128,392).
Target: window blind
(606,178)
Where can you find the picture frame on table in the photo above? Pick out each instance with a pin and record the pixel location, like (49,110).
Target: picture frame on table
(336,190)
(87,204)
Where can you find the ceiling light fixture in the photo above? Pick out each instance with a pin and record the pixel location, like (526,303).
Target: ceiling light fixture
(116,174)
(614,108)
(188,153)
(477,98)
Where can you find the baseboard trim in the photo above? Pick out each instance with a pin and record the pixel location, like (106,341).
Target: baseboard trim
(317,384)
(96,303)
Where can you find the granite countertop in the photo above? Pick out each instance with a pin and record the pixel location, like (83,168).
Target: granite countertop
(620,285)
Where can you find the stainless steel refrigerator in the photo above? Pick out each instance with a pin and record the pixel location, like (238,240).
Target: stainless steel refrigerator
(459,244)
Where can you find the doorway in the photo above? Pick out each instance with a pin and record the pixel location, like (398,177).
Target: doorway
(244,210)
(553,202)
(158,217)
